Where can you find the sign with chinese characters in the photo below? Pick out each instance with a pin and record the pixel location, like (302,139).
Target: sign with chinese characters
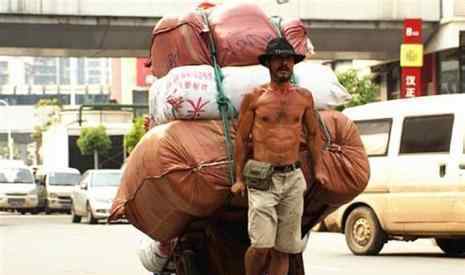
(411,55)
(411,59)
(411,82)
(412,31)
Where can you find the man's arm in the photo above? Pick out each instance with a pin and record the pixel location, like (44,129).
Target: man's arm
(246,119)
(313,138)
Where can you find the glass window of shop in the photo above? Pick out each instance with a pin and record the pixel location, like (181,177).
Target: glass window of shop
(449,72)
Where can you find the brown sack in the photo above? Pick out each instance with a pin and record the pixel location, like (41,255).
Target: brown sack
(175,173)
(345,171)
(178,42)
(241,33)
(344,174)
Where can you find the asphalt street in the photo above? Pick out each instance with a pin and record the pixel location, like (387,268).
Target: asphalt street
(52,245)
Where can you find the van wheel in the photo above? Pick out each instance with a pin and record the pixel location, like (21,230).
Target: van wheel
(364,235)
(74,218)
(90,216)
(47,211)
(452,247)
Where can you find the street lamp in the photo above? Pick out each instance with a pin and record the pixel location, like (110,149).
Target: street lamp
(10,140)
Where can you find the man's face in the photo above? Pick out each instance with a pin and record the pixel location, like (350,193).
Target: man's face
(281,68)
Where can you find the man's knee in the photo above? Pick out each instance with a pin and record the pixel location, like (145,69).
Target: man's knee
(278,254)
(259,252)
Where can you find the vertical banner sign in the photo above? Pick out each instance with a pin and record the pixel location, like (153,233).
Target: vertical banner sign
(411,59)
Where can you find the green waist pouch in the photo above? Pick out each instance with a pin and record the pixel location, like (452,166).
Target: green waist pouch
(258,174)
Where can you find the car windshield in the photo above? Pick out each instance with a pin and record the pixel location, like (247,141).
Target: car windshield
(15,175)
(106,179)
(64,179)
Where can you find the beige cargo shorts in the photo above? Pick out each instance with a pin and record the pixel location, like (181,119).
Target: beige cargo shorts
(275,215)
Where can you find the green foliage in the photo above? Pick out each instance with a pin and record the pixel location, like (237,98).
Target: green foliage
(135,134)
(49,102)
(48,112)
(94,139)
(362,89)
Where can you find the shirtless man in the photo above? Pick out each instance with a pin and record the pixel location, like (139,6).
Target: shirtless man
(275,115)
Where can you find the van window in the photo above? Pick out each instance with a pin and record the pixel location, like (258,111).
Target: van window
(426,134)
(15,175)
(375,135)
(58,178)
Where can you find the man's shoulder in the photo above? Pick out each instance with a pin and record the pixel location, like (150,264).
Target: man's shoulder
(256,92)
(305,93)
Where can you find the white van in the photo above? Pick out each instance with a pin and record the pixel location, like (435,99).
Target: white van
(417,185)
(59,184)
(18,190)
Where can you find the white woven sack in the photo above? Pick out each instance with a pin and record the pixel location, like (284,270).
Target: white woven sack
(190,92)
(322,82)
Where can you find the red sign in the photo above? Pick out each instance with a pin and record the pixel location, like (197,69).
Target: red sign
(411,82)
(143,73)
(412,31)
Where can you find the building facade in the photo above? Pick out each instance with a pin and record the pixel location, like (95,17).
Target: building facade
(24,81)
(443,70)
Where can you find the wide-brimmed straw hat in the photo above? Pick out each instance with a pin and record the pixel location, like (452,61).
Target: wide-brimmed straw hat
(279,46)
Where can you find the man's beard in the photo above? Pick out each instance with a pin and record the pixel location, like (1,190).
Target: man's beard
(282,78)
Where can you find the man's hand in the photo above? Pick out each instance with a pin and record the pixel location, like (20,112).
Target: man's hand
(238,188)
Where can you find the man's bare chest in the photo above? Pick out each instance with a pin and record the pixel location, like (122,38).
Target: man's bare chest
(274,108)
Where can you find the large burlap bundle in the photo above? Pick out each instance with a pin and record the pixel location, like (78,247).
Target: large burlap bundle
(177,173)
(241,33)
(345,171)
(178,41)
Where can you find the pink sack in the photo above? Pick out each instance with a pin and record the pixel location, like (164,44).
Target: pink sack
(241,33)
(178,42)
(294,31)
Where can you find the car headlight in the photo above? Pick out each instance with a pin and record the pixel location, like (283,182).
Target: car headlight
(52,195)
(103,200)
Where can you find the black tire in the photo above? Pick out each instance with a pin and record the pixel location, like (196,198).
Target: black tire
(22,212)
(47,210)
(90,216)
(364,235)
(452,247)
(74,218)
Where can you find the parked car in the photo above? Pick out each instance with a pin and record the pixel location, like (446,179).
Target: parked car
(93,197)
(18,190)
(416,149)
(59,183)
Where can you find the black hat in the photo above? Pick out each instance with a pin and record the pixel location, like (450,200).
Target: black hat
(279,46)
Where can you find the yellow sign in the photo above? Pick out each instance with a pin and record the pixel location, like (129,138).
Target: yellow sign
(411,55)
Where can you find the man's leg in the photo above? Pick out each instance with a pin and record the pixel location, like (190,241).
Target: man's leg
(279,263)
(255,260)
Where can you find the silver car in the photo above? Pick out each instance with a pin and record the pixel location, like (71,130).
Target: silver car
(93,197)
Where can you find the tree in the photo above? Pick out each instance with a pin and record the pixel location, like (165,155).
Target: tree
(135,134)
(48,113)
(94,141)
(362,89)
